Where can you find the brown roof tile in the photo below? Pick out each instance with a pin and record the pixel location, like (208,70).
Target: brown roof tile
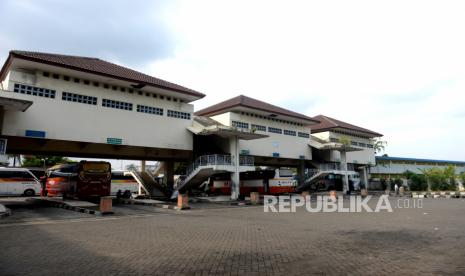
(327,123)
(245,101)
(98,67)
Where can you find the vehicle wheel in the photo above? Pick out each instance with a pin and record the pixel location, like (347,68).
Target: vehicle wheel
(29,192)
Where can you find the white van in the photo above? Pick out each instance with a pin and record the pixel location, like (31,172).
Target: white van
(18,181)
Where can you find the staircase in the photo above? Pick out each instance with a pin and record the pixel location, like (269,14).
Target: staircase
(207,165)
(150,184)
(322,171)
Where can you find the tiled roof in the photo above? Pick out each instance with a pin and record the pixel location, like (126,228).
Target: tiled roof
(98,67)
(251,103)
(327,123)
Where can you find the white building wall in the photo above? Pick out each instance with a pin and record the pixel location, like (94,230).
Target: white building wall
(287,146)
(365,156)
(64,120)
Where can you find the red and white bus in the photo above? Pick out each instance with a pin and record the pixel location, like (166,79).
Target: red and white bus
(276,181)
(87,179)
(124,181)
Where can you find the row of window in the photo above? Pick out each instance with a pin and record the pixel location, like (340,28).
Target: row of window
(240,124)
(34,91)
(66,96)
(304,135)
(290,132)
(353,143)
(108,86)
(259,127)
(179,114)
(270,118)
(350,134)
(78,98)
(150,110)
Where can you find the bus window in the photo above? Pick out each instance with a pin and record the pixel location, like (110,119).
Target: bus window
(96,167)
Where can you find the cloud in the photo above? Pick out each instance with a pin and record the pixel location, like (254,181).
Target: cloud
(128,32)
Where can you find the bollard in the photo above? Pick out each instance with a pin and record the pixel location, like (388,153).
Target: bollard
(333,195)
(254,198)
(363,192)
(106,204)
(183,202)
(401,191)
(306,195)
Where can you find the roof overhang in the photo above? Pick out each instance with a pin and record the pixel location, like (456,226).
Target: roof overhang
(348,131)
(14,104)
(226,132)
(29,64)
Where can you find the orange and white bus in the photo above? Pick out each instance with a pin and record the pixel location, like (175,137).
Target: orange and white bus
(276,181)
(18,181)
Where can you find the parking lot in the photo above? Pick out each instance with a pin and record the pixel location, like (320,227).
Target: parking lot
(145,240)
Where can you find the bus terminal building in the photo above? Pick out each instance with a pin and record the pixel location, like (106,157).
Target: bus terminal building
(86,107)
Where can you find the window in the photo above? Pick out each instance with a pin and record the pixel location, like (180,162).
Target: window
(46,74)
(240,124)
(139,92)
(17,175)
(86,82)
(275,130)
(76,80)
(370,146)
(116,104)
(259,127)
(353,143)
(66,96)
(114,88)
(179,114)
(96,84)
(56,76)
(66,78)
(149,109)
(304,135)
(122,89)
(106,86)
(147,94)
(362,144)
(334,140)
(289,132)
(34,91)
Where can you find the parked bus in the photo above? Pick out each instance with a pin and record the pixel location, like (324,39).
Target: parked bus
(125,182)
(87,179)
(18,181)
(276,181)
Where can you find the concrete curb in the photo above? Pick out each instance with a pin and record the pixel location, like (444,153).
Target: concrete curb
(63,205)
(160,205)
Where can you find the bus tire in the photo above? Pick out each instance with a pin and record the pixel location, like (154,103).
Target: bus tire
(29,192)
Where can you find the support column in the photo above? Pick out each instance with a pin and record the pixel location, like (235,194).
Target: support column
(142,165)
(301,172)
(365,177)
(235,181)
(345,179)
(168,175)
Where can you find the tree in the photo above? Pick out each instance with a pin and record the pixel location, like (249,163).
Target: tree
(44,161)
(418,183)
(379,145)
(131,167)
(441,179)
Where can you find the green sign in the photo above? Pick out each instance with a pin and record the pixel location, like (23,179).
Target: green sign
(114,141)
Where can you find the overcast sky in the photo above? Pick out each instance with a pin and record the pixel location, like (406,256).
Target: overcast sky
(396,67)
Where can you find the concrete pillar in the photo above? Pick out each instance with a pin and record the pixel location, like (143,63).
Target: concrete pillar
(365,177)
(345,179)
(142,165)
(235,181)
(301,172)
(168,175)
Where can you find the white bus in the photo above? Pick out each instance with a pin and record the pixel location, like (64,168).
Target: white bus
(18,181)
(124,181)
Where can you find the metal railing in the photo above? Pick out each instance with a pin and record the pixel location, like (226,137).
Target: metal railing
(334,167)
(218,159)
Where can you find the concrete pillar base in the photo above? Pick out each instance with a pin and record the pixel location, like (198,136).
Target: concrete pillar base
(254,198)
(333,195)
(306,195)
(363,192)
(106,205)
(183,202)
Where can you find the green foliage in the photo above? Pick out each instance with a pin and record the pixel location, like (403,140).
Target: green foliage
(345,140)
(379,145)
(418,183)
(441,179)
(408,174)
(43,161)
(131,167)
(180,168)
(462,178)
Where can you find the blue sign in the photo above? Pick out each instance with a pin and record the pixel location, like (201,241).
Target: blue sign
(35,133)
